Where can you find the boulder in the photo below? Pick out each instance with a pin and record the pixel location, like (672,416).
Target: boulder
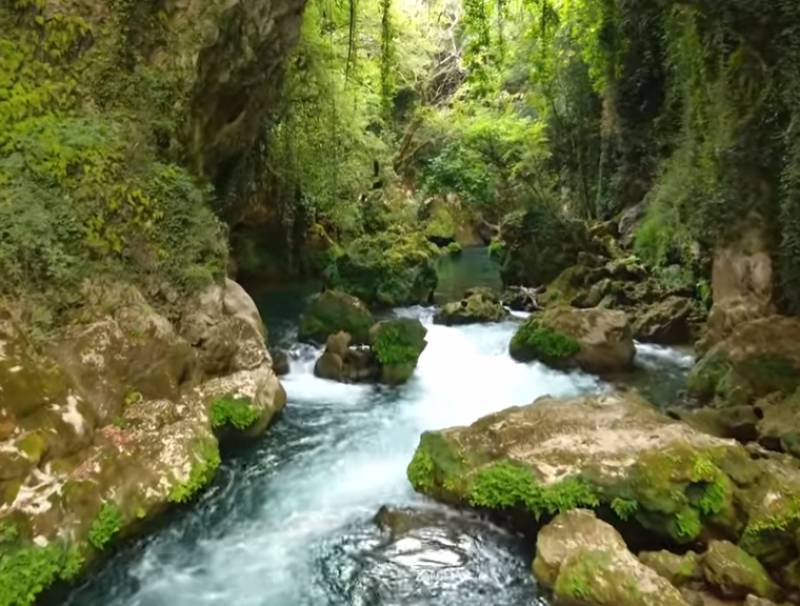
(280,362)
(446,220)
(586,563)
(616,451)
(743,281)
(778,422)
(390,268)
(397,345)
(333,311)
(346,364)
(121,419)
(595,340)
(736,574)
(669,322)
(759,358)
(680,570)
(479,305)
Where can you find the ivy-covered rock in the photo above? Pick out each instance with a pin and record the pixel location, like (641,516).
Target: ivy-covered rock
(390,268)
(334,311)
(397,345)
(478,306)
(586,563)
(596,340)
(615,453)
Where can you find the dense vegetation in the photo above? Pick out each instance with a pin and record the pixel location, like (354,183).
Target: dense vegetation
(571,108)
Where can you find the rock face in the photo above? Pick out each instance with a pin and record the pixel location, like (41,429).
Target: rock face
(478,306)
(586,563)
(118,419)
(334,311)
(388,269)
(596,340)
(759,358)
(615,451)
(743,282)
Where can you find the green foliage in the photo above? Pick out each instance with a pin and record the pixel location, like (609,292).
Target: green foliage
(205,462)
(235,412)
(687,524)
(105,526)
(535,341)
(26,570)
(507,484)
(436,465)
(624,508)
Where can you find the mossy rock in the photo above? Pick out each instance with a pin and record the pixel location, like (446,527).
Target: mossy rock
(617,453)
(758,359)
(397,345)
(334,311)
(596,340)
(392,268)
(477,306)
(735,573)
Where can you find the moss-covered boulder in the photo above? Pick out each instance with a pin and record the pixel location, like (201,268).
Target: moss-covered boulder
(619,454)
(127,423)
(334,311)
(397,346)
(535,246)
(479,305)
(759,358)
(679,570)
(586,563)
(735,573)
(389,268)
(595,340)
(345,364)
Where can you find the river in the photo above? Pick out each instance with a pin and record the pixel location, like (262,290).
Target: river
(289,521)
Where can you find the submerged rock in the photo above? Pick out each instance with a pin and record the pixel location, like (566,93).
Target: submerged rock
(595,340)
(334,311)
(586,563)
(479,305)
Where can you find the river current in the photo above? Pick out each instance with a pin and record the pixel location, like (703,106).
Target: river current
(289,521)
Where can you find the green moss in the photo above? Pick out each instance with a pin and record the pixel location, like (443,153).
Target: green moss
(577,580)
(399,342)
(33,445)
(234,412)
(687,525)
(205,464)
(536,342)
(333,311)
(105,526)
(436,465)
(624,508)
(454,249)
(708,375)
(507,485)
(26,570)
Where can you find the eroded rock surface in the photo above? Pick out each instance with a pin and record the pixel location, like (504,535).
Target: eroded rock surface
(118,419)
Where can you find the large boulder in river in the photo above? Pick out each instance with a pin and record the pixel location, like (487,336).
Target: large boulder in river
(619,452)
(759,358)
(390,268)
(668,322)
(334,311)
(595,340)
(479,305)
(587,563)
(397,345)
(345,364)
